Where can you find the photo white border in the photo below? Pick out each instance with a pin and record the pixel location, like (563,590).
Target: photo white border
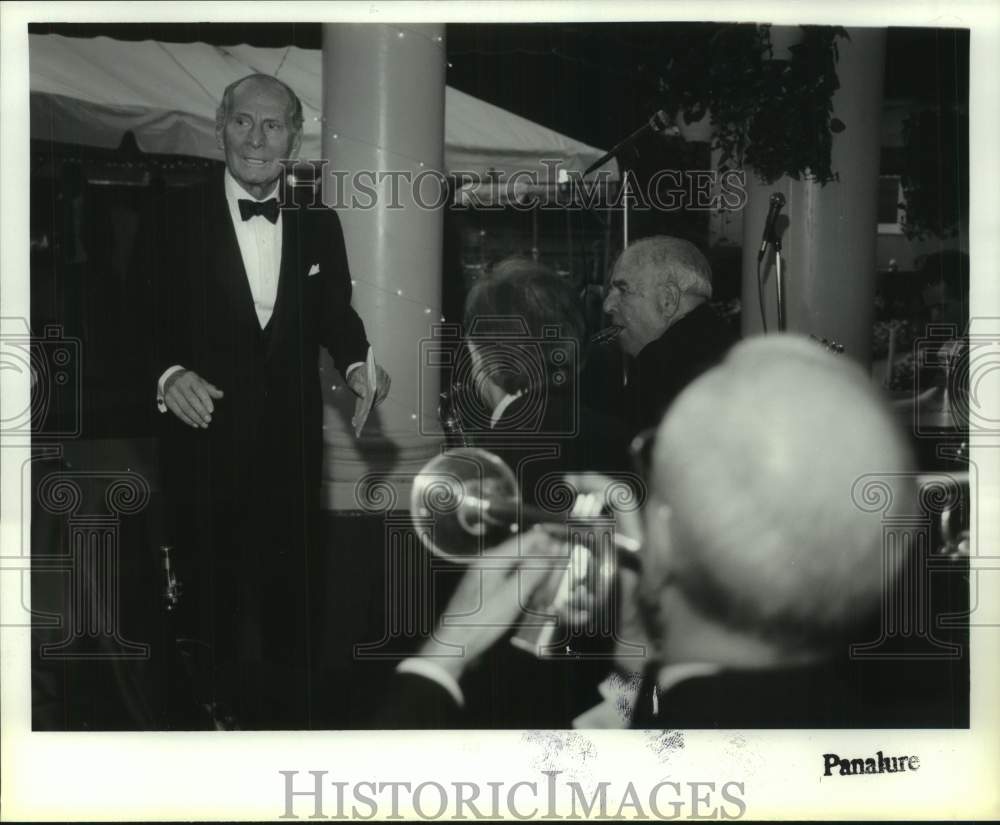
(175,776)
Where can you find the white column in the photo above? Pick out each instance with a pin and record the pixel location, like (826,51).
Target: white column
(383,119)
(829,242)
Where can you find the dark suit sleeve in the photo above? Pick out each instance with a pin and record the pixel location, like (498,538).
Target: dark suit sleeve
(342,330)
(414,702)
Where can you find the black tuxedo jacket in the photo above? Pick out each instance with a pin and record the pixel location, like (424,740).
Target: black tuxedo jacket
(839,693)
(830,695)
(206,322)
(243,494)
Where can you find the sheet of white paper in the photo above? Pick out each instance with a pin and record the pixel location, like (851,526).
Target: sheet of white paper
(363,406)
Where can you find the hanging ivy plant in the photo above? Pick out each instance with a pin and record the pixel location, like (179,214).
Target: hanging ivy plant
(774,115)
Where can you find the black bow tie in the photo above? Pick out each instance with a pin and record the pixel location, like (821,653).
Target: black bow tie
(268,208)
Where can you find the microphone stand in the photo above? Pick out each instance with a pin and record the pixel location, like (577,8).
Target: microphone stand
(773,239)
(626,192)
(779,281)
(659,122)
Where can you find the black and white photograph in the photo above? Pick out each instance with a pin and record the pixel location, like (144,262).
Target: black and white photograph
(560,411)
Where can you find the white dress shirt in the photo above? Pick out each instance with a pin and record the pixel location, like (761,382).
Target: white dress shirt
(260,248)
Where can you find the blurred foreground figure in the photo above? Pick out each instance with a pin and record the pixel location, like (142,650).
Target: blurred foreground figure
(759,566)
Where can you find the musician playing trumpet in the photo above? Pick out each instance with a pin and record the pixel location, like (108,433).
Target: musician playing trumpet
(758,569)
(518,397)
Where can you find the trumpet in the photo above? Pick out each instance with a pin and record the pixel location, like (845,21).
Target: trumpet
(470,494)
(466,501)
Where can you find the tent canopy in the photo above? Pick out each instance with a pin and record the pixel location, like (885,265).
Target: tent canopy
(92,91)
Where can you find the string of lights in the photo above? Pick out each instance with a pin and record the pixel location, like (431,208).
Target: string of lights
(398,293)
(437,40)
(338,135)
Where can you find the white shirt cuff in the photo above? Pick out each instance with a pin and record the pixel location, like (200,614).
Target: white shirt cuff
(501,408)
(352,368)
(161,404)
(421,666)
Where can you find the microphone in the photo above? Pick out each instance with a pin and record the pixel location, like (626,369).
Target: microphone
(659,122)
(777,202)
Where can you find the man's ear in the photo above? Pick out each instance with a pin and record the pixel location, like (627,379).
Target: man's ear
(657,542)
(660,516)
(477,359)
(669,296)
(293,150)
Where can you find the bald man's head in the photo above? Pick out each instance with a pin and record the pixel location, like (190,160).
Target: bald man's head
(756,462)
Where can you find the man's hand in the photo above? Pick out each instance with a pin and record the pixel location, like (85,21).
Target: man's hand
(492,597)
(633,647)
(189,397)
(358,382)
(623,501)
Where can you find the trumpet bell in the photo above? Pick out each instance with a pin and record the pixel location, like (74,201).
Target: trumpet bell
(465,502)
(451,498)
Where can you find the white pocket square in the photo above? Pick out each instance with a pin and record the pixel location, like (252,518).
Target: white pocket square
(313,270)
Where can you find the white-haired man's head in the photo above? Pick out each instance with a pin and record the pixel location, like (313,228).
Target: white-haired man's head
(654,283)
(754,537)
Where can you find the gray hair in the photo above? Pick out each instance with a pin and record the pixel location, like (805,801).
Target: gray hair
(675,260)
(226,106)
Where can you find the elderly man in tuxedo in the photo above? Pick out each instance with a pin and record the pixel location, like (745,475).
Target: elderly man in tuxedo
(247,291)
(759,562)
